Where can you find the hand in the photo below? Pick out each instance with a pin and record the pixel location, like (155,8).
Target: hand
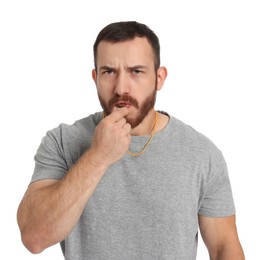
(111,138)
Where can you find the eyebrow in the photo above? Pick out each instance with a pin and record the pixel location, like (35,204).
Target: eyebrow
(105,68)
(135,67)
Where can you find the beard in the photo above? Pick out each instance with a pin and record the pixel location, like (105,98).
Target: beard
(143,109)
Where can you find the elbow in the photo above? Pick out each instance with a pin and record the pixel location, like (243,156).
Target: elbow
(32,239)
(34,249)
(36,239)
(32,243)
(227,252)
(34,236)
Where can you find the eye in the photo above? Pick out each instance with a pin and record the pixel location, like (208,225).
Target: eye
(136,71)
(108,72)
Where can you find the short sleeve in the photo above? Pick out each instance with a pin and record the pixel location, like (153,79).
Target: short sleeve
(49,160)
(217,200)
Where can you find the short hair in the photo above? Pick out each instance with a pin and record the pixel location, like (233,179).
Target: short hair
(123,31)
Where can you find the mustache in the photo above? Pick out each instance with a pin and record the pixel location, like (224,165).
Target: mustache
(123,98)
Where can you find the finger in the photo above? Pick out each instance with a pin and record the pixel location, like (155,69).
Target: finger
(117,114)
(121,122)
(127,128)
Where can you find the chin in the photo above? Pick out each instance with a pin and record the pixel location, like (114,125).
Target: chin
(136,120)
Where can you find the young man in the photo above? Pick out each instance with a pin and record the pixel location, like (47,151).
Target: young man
(129,182)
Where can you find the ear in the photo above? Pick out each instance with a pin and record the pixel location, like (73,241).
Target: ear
(161,76)
(94,76)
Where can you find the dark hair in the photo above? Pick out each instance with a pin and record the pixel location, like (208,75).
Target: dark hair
(122,31)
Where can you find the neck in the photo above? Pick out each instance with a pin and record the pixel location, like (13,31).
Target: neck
(146,126)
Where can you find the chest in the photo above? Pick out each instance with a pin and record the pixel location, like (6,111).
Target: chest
(156,187)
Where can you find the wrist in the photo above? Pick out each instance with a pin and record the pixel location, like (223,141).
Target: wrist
(95,160)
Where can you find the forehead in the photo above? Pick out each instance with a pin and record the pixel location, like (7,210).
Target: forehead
(137,51)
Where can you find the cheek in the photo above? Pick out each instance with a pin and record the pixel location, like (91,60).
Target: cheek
(104,88)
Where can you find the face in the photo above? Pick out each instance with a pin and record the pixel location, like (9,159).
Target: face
(125,76)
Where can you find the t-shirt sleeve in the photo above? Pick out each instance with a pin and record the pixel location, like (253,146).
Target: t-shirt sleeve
(49,160)
(217,200)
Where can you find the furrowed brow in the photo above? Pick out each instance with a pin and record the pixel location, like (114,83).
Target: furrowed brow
(138,67)
(105,68)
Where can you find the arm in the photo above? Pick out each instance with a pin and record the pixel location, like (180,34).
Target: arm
(221,238)
(50,208)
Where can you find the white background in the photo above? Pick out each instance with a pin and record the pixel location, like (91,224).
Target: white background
(219,58)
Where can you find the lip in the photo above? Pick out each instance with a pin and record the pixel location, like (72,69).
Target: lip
(122,104)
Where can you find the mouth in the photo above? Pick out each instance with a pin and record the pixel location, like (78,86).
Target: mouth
(122,104)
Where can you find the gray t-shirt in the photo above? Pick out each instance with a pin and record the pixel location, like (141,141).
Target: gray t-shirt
(144,207)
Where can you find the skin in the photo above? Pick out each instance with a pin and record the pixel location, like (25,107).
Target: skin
(50,209)
(124,69)
(46,215)
(221,238)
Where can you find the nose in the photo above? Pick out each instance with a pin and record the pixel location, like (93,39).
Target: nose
(122,84)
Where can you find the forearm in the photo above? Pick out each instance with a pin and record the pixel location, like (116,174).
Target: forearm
(48,214)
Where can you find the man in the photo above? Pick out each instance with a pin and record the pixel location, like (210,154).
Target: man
(129,182)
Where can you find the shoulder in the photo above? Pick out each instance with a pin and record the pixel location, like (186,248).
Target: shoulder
(81,127)
(70,137)
(194,145)
(69,141)
(192,137)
